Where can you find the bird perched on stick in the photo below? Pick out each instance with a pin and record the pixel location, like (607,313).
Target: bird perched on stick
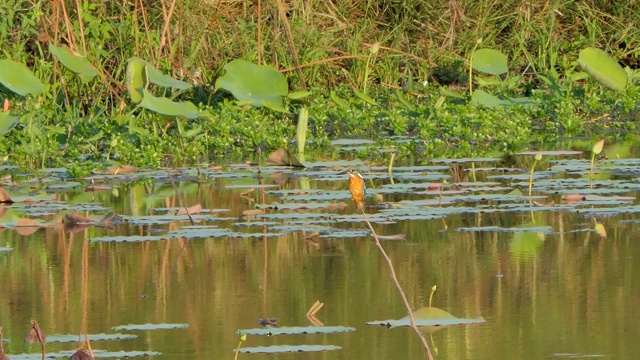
(357,188)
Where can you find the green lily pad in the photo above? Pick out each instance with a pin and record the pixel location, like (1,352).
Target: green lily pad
(59,338)
(296,330)
(257,84)
(79,65)
(19,79)
(533,229)
(288,348)
(350,142)
(98,354)
(149,326)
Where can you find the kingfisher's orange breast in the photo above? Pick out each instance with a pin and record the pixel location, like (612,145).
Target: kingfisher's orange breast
(357,189)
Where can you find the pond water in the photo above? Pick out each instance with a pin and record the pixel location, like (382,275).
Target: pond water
(553,280)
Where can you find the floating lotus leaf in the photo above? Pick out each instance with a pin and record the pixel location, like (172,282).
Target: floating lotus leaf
(149,326)
(256,84)
(533,229)
(346,234)
(603,68)
(288,348)
(302,206)
(253,235)
(489,61)
(59,338)
(19,79)
(27,198)
(252,186)
(125,239)
(296,330)
(99,354)
(465,160)
(79,65)
(351,142)
(552,153)
(297,228)
(429,316)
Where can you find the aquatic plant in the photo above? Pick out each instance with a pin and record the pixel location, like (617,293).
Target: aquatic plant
(595,150)
(536,158)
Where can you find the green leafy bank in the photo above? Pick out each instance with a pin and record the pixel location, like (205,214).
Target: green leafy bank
(138,81)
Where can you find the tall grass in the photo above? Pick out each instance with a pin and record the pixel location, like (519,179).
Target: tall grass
(194,39)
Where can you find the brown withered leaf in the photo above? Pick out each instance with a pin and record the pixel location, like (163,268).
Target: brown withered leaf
(35,334)
(98,187)
(283,157)
(75,218)
(571,198)
(5,197)
(255,212)
(312,235)
(81,354)
(192,210)
(247,192)
(27,226)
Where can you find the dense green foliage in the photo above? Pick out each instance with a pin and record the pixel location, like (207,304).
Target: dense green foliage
(425,46)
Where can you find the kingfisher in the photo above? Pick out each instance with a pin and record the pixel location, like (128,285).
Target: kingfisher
(357,188)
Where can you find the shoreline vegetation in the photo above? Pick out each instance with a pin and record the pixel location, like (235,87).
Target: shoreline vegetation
(135,81)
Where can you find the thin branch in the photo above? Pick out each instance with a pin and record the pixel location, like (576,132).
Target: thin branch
(425,345)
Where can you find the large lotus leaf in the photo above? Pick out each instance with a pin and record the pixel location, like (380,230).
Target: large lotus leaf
(7,122)
(604,69)
(257,84)
(79,65)
(164,106)
(136,78)
(18,78)
(489,61)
